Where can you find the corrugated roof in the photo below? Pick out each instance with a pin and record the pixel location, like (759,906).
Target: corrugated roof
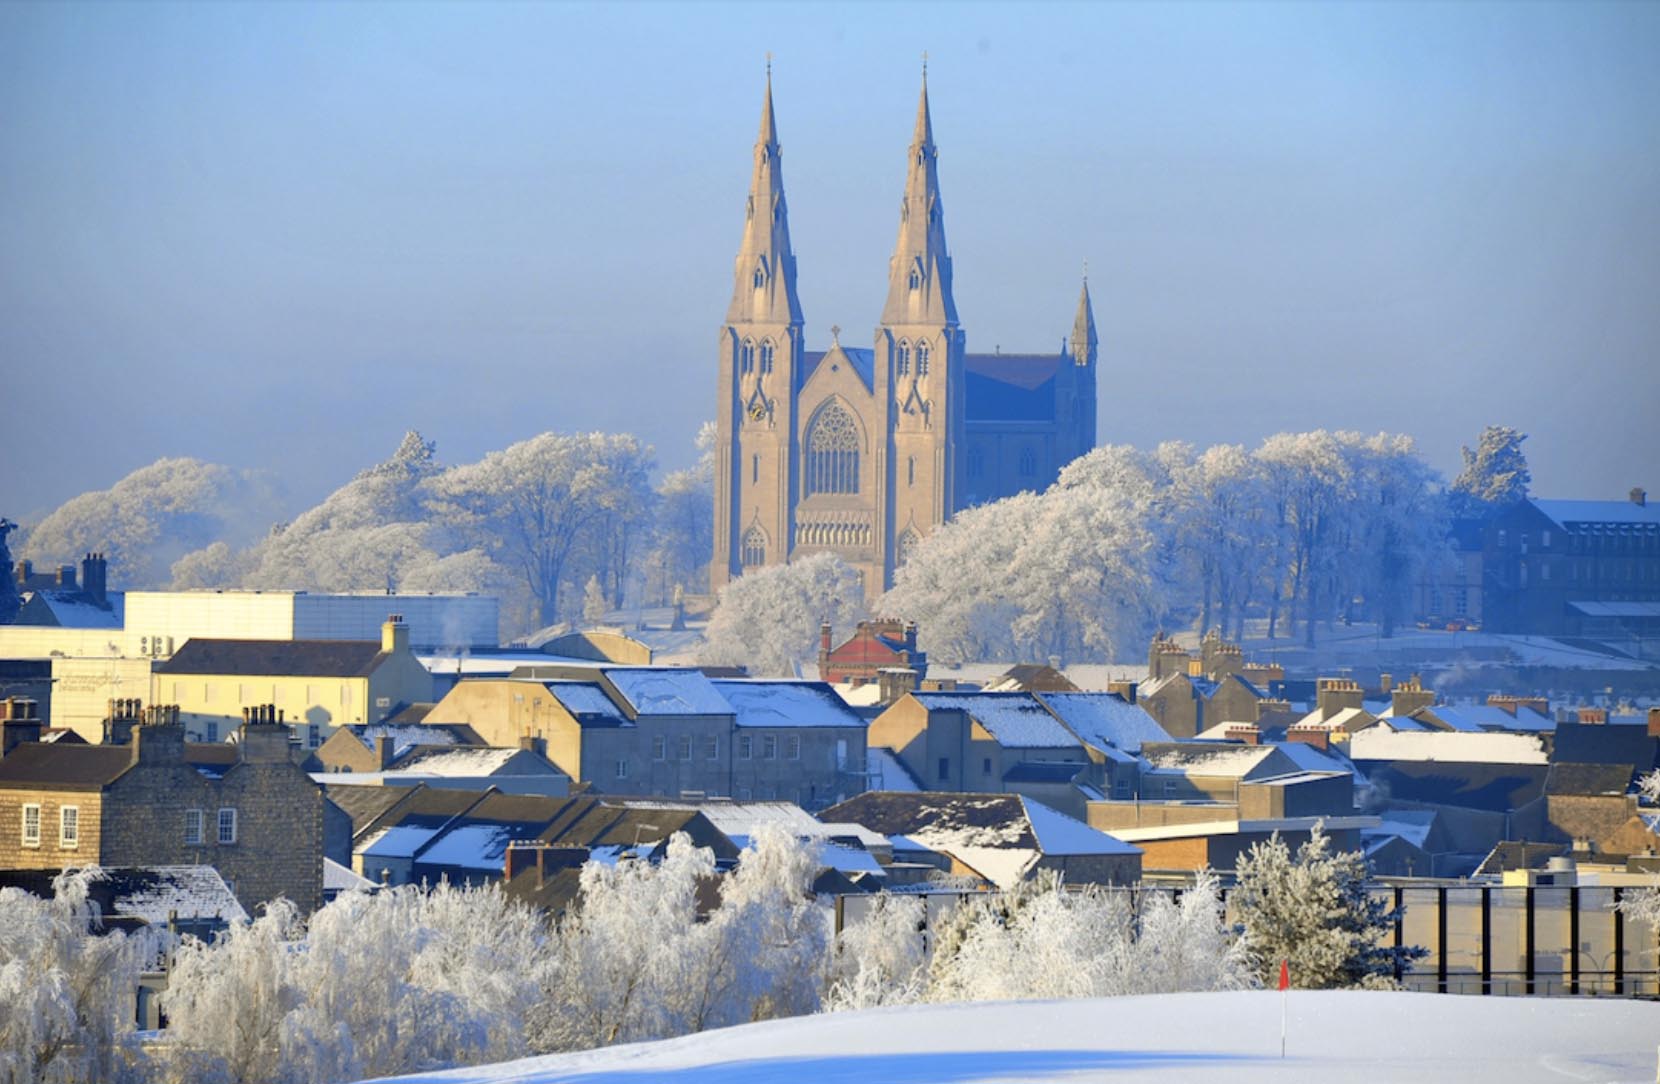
(275,658)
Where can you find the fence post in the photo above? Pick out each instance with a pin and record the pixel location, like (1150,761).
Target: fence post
(1619,944)
(1486,940)
(1400,931)
(1573,940)
(1441,938)
(1528,937)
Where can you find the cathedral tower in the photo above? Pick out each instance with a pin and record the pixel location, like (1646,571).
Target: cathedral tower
(760,359)
(919,357)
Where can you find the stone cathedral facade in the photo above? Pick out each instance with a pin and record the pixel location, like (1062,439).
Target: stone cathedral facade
(861,451)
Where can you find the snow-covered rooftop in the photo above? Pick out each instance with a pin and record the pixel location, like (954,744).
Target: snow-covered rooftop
(155,893)
(474,846)
(786,703)
(1058,834)
(1380,743)
(337,878)
(404,737)
(886,772)
(1207,758)
(586,701)
(664,691)
(1015,720)
(1102,719)
(483,760)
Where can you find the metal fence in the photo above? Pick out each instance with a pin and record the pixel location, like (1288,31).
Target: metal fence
(1480,939)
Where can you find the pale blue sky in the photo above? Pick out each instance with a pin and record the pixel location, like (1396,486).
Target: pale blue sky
(277,236)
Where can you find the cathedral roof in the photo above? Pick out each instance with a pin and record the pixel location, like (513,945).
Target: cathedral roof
(863,361)
(1011,387)
(1022,370)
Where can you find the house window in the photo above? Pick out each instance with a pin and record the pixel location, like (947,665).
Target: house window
(792,746)
(769,747)
(945,768)
(193,826)
(711,748)
(622,769)
(686,747)
(746,746)
(31,825)
(227,826)
(1121,788)
(832,452)
(211,730)
(986,767)
(69,827)
(659,748)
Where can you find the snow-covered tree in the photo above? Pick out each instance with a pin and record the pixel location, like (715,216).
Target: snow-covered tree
(881,959)
(1643,904)
(594,604)
(684,540)
(1312,909)
(67,991)
(769,619)
(532,506)
(1495,473)
(10,600)
(153,517)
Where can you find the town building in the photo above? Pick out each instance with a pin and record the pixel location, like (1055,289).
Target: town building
(149,798)
(861,451)
(316,685)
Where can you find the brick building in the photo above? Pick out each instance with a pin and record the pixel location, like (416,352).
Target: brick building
(874,646)
(149,798)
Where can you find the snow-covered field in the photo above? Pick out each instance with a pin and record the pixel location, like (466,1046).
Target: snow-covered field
(1333,1036)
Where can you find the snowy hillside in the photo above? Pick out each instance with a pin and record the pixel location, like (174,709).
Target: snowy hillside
(1334,1036)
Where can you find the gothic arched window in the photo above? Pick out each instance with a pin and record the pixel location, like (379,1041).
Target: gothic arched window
(916,279)
(746,357)
(760,275)
(766,355)
(1028,463)
(832,452)
(755,547)
(902,358)
(976,462)
(921,359)
(907,545)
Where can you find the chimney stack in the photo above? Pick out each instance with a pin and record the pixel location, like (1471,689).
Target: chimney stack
(1316,736)
(1639,496)
(893,682)
(1593,716)
(1124,690)
(19,723)
(94,579)
(384,752)
(1244,732)
(1337,694)
(1654,722)
(394,635)
(66,577)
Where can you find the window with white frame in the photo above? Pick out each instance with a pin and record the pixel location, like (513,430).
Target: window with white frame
(792,746)
(31,824)
(686,747)
(769,747)
(746,746)
(69,827)
(227,826)
(711,747)
(193,826)
(659,748)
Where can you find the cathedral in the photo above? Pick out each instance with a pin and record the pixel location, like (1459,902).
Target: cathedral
(861,451)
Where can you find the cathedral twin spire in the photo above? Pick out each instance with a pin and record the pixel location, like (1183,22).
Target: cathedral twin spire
(919,274)
(763,289)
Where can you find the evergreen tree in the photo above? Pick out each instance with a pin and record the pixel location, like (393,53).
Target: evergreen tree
(1313,910)
(1495,474)
(10,601)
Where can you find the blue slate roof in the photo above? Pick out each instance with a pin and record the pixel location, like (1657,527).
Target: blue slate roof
(1565,512)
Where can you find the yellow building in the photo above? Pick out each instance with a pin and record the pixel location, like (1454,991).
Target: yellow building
(316,685)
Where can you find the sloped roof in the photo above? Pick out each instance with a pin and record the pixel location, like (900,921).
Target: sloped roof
(78,767)
(1600,743)
(364,803)
(1015,720)
(888,772)
(149,894)
(1104,719)
(71,609)
(477,761)
(863,360)
(1566,512)
(1031,677)
(1588,779)
(1038,771)
(1494,787)
(587,702)
(1206,758)
(275,658)
(787,703)
(667,691)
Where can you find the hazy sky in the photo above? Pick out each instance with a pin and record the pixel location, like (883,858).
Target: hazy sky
(277,236)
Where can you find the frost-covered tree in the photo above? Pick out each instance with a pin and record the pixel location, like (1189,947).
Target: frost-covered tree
(594,604)
(881,959)
(1495,473)
(1312,909)
(684,540)
(10,600)
(535,504)
(153,517)
(67,990)
(769,619)
(1643,904)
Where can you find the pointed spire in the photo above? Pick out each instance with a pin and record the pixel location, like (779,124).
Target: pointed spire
(1083,327)
(919,274)
(763,289)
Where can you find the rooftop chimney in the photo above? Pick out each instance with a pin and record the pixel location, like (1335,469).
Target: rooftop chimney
(384,752)
(1124,690)
(1593,716)
(19,723)
(394,635)
(1654,722)
(1316,736)
(893,682)
(1244,732)
(66,577)
(1336,694)
(1639,496)
(94,578)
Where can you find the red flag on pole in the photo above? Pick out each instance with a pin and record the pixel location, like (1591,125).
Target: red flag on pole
(1285,974)
(1285,996)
